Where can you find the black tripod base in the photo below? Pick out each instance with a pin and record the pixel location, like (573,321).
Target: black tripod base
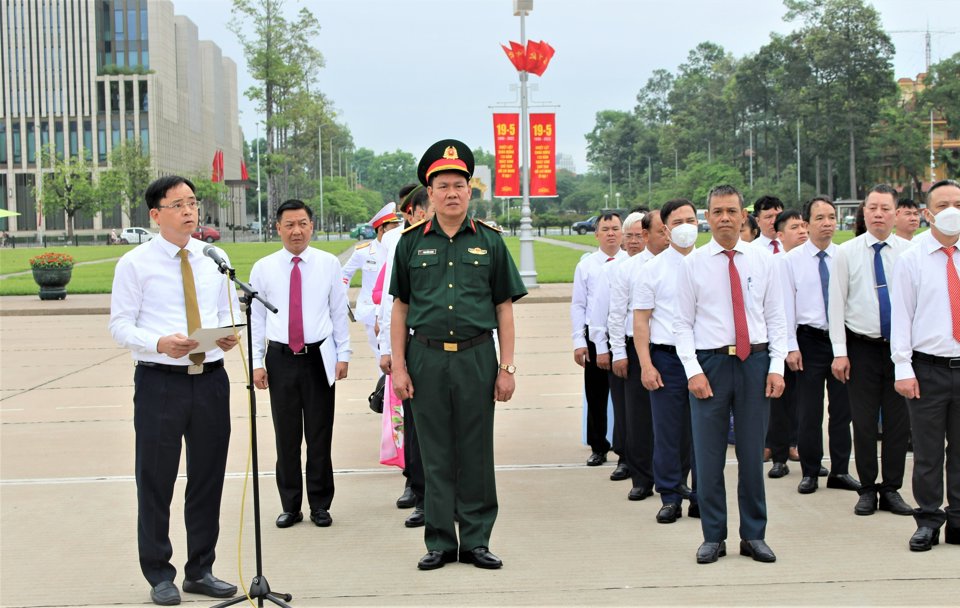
(260,590)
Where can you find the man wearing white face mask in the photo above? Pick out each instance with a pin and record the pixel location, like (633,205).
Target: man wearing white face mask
(925,349)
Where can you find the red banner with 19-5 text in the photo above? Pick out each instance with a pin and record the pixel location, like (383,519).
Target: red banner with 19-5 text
(543,155)
(506,145)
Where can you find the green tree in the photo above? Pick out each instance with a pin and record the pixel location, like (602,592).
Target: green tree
(68,188)
(127,178)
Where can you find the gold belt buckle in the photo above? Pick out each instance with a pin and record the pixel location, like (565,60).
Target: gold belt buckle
(450,347)
(193,370)
(732,351)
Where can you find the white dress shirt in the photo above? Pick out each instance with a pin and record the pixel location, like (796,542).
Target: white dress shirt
(920,279)
(853,287)
(389,245)
(585,278)
(705,311)
(368,258)
(765,242)
(324,302)
(657,291)
(624,272)
(803,294)
(147,301)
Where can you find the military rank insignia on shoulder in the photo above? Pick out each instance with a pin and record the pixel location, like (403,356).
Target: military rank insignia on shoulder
(362,245)
(494,228)
(412,226)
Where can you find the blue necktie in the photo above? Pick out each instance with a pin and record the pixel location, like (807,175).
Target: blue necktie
(824,282)
(883,295)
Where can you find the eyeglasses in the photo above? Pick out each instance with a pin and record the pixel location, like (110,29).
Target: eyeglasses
(179,205)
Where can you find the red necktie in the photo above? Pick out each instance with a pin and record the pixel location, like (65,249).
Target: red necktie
(776,246)
(611,259)
(295,322)
(739,311)
(953,288)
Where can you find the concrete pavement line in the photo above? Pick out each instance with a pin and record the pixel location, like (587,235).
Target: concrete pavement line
(567,244)
(23,272)
(76,371)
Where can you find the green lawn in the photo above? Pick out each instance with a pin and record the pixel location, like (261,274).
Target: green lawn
(555,264)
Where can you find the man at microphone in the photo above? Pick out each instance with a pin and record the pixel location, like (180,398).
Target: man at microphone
(163,291)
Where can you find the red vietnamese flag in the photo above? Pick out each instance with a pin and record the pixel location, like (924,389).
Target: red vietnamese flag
(543,155)
(243,171)
(521,54)
(506,139)
(217,175)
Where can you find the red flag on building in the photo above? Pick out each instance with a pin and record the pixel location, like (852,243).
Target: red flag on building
(543,155)
(217,175)
(243,171)
(506,147)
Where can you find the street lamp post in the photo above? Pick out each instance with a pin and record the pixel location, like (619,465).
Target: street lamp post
(528,271)
(320,167)
(259,200)
(618,200)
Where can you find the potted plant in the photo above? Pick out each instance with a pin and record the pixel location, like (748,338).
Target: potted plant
(52,272)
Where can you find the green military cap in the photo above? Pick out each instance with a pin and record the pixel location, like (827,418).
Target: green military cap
(445,155)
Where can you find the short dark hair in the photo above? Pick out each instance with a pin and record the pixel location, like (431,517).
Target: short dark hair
(808,206)
(159,187)
(859,221)
(767,202)
(785,216)
(942,183)
(606,216)
(724,190)
(419,200)
(293,204)
(640,209)
(648,218)
(672,205)
(907,203)
(884,189)
(754,227)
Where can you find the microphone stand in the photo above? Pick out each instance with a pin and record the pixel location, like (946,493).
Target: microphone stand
(259,587)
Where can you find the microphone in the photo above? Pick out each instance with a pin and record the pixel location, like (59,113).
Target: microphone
(211,252)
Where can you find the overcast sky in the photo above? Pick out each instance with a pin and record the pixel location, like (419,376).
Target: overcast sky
(406,73)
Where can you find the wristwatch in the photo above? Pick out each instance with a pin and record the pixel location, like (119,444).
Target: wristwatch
(510,369)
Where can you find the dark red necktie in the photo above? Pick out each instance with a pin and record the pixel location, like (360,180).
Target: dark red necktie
(953,288)
(611,259)
(776,246)
(739,311)
(295,322)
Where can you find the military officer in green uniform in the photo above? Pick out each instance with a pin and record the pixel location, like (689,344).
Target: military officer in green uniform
(454,282)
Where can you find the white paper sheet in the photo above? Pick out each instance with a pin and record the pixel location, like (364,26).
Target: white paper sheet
(208,336)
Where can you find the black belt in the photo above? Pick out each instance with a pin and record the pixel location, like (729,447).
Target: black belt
(192,370)
(731,350)
(951,362)
(813,331)
(452,347)
(313,347)
(854,334)
(667,348)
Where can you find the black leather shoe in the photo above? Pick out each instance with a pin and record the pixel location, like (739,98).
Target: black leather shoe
(693,510)
(866,505)
(670,513)
(596,459)
(639,493)
(843,482)
(778,470)
(823,472)
(620,473)
(953,535)
(321,517)
(416,518)
(711,552)
(407,500)
(758,550)
(165,594)
(436,559)
(481,558)
(287,519)
(684,491)
(924,539)
(211,586)
(808,485)
(893,502)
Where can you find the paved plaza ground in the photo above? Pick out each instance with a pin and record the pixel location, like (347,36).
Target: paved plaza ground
(567,535)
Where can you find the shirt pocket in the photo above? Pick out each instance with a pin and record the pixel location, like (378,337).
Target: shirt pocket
(475,270)
(424,272)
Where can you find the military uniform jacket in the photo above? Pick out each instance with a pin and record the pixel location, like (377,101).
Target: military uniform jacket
(368,258)
(452,285)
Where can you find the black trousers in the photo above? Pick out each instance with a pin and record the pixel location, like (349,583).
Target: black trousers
(817,353)
(412,464)
(637,420)
(597,387)
(935,418)
(302,405)
(168,409)
(871,393)
(781,433)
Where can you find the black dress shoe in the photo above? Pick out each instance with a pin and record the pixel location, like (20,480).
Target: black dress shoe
(843,482)
(639,492)
(321,517)
(758,550)
(893,502)
(596,459)
(620,473)
(708,553)
(165,594)
(407,500)
(287,519)
(481,558)
(808,485)
(436,559)
(670,513)
(924,539)
(694,510)
(684,491)
(778,470)
(211,586)
(823,472)
(953,535)
(416,519)
(866,504)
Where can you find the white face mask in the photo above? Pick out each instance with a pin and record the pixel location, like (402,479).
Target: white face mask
(948,221)
(684,235)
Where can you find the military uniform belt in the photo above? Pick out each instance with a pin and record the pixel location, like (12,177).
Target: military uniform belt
(453,347)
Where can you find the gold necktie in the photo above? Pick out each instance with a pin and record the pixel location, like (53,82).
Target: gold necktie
(190,299)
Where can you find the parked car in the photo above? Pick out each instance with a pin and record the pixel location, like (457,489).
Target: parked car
(206,233)
(135,236)
(585,226)
(702,224)
(363,231)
